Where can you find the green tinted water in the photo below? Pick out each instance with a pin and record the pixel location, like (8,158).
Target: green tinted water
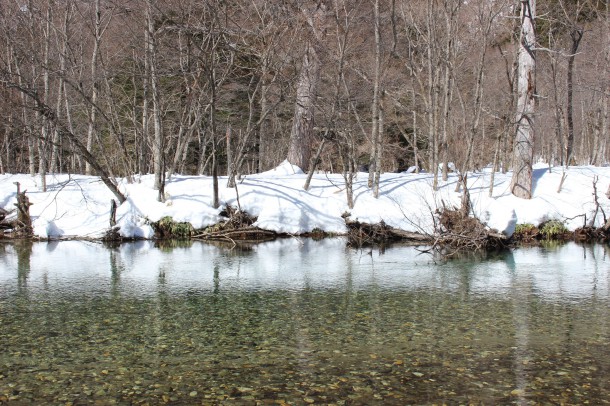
(299,323)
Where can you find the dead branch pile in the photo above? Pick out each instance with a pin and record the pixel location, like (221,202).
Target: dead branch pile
(363,234)
(17,223)
(590,234)
(112,235)
(237,227)
(7,220)
(461,232)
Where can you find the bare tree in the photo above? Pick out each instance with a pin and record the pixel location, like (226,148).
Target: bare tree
(521,183)
(49,114)
(485,17)
(376,109)
(301,134)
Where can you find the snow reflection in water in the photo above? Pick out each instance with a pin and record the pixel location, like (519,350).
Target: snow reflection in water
(302,322)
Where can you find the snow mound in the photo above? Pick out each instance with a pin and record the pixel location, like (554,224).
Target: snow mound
(283,169)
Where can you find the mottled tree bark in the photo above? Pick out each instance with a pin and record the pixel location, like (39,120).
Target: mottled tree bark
(301,134)
(521,184)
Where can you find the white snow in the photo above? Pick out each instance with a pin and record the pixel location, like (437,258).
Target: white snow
(79,206)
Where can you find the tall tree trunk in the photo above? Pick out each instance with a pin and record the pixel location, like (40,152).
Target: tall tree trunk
(301,134)
(158,140)
(215,191)
(141,166)
(44,142)
(521,183)
(377,174)
(264,126)
(76,158)
(488,18)
(97,31)
(558,112)
(25,116)
(373,181)
(56,158)
(576,36)
(433,86)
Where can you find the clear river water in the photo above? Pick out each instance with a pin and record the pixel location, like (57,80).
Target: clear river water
(299,322)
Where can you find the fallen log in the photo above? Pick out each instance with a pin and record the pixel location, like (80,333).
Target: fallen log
(242,234)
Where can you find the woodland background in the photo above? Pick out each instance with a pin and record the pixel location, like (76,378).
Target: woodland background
(125,87)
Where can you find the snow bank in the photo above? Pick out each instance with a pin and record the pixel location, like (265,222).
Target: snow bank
(79,206)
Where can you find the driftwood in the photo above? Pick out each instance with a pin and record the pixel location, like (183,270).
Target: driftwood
(24,221)
(243,234)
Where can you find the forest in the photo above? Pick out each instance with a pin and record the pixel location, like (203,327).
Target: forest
(117,88)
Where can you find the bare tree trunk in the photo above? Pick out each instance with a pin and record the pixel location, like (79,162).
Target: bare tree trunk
(229,154)
(97,30)
(44,141)
(141,168)
(56,164)
(377,175)
(203,147)
(215,191)
(604,97)
(313,163)
(494,166)
(509,125)
(373,181)
(604,128)
(447,86)
(558,112)
(415,149)
(24,115)
(597,122)
(77,159)
(434,90)
(477,105)
(301,134)
(264,127)
(576,36)
(584,134)
(521,183)
(49,114)
(158,144)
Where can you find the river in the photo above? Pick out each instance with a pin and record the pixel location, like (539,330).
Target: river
(298,321)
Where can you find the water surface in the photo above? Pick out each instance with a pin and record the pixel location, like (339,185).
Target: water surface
(297,321)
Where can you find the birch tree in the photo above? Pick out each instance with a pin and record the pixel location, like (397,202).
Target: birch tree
(158,141)
(98,30)
(521,183)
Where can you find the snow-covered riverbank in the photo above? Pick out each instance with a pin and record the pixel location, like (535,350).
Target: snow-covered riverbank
(79,206)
